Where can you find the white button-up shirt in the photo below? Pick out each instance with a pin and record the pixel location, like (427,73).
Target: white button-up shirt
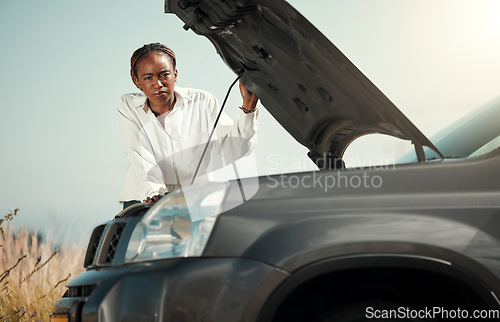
(165,150)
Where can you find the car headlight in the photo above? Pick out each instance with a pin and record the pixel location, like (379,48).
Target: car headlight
(178,225)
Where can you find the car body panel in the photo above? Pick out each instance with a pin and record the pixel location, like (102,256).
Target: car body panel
(451,205)
(210,289)
(313,90)
(360,262)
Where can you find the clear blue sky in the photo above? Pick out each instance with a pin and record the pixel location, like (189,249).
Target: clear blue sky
(64,64)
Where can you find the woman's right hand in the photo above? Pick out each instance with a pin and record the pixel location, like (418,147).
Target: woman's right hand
(153,199)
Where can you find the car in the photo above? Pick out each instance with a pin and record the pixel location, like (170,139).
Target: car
(416,240)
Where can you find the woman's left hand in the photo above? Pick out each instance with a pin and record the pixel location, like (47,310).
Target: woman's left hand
(249,98)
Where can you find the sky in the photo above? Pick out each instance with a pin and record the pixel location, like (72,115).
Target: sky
(64,64)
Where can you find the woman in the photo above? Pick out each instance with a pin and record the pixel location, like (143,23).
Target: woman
(162,124)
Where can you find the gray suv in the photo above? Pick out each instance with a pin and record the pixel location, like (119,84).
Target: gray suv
(416,241)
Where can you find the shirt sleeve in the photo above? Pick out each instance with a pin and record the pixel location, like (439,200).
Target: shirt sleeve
(238,138)
(144,177)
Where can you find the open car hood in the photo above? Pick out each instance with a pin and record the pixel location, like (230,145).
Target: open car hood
(302,79)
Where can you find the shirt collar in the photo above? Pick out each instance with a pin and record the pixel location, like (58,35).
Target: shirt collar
(182,97)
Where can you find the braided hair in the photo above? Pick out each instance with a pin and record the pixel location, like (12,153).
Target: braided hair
(145,51)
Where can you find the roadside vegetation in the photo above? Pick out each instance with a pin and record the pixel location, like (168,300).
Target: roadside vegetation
(33,273)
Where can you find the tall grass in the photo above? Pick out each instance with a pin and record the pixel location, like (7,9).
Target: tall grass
(33,274)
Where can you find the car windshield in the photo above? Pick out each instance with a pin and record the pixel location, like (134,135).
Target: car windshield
(473,135)
(487,148)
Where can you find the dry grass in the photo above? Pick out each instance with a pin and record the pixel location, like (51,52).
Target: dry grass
(33,275)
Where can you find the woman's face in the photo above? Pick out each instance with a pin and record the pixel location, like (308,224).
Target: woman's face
(156,78)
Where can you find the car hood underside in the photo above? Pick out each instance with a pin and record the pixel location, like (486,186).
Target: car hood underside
(314,91)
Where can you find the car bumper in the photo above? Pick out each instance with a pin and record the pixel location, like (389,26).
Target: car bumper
(208,289)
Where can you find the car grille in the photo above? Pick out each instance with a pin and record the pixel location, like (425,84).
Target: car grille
(108,242)
(93,245)
(79,291)
(103,244)
(113,243)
